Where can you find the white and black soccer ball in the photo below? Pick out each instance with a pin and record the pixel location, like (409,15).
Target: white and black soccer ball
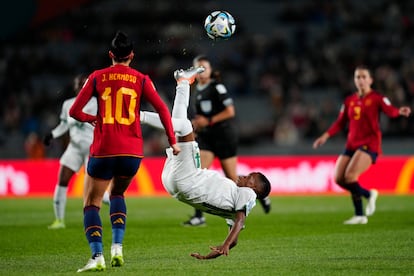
(220,25)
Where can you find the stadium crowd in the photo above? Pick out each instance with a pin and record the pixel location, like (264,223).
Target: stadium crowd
(300,66)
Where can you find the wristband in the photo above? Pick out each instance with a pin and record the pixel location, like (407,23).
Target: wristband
(210,121)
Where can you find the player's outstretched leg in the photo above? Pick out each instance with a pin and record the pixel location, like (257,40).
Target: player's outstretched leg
(182,92)
(186,77)
(181,124)
(188,74)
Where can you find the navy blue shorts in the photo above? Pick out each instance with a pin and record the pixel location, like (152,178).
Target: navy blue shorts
(373,155)
(108,167)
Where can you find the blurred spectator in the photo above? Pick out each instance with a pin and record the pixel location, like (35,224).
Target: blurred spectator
(286,133)
(34,146)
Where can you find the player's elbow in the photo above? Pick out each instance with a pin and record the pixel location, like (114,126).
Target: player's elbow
(182,127)
(72,113)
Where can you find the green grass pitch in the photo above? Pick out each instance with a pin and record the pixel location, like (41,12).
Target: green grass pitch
(303,235)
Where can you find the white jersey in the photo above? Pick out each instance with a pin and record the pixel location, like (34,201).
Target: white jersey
(81,134)
(206,190)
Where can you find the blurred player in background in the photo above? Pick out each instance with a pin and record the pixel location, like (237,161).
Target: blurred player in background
(117,148)
(206,190)
(215,127)
(360,112)
(76,153)
(34,147)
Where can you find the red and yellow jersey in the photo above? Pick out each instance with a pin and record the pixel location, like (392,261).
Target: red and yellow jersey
(119,90)
(362,115)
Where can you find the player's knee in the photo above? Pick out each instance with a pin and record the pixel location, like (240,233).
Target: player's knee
(117,190)
(183,127)
(350,177)
(93,200)
(63,182)
(340,180)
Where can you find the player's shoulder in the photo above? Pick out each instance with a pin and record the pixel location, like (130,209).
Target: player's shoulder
(98,72)
(378,97)
(350,97)
(219,87)
(134,71)
(248,195)
(375,93)
(140,76)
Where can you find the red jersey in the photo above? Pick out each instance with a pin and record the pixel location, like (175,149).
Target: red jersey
(119,90)
(362,114)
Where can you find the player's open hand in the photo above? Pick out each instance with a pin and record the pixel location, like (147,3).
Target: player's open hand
(221,249)
(211,255)
(216,251)
(318,142)
(321,140)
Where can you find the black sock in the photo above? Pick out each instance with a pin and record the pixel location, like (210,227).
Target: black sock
(198,213)
(364,192)
(355,190)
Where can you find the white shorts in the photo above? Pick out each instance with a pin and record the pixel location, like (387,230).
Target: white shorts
(180,167)
(74,157)
(206,190)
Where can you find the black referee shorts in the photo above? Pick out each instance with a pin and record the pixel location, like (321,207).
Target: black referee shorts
(222,141)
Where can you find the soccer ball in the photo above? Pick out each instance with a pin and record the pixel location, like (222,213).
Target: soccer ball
(220,25)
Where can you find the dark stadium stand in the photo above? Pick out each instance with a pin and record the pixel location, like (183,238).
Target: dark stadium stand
(288,66)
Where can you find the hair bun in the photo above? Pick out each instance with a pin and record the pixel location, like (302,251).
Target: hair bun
(121,45)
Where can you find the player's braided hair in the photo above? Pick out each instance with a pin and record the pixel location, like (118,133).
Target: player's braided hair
(265,186)
(121,46)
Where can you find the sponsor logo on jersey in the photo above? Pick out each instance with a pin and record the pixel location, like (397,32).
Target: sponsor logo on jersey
(206,106)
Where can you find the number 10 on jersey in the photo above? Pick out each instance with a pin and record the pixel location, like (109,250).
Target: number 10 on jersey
(121,95)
